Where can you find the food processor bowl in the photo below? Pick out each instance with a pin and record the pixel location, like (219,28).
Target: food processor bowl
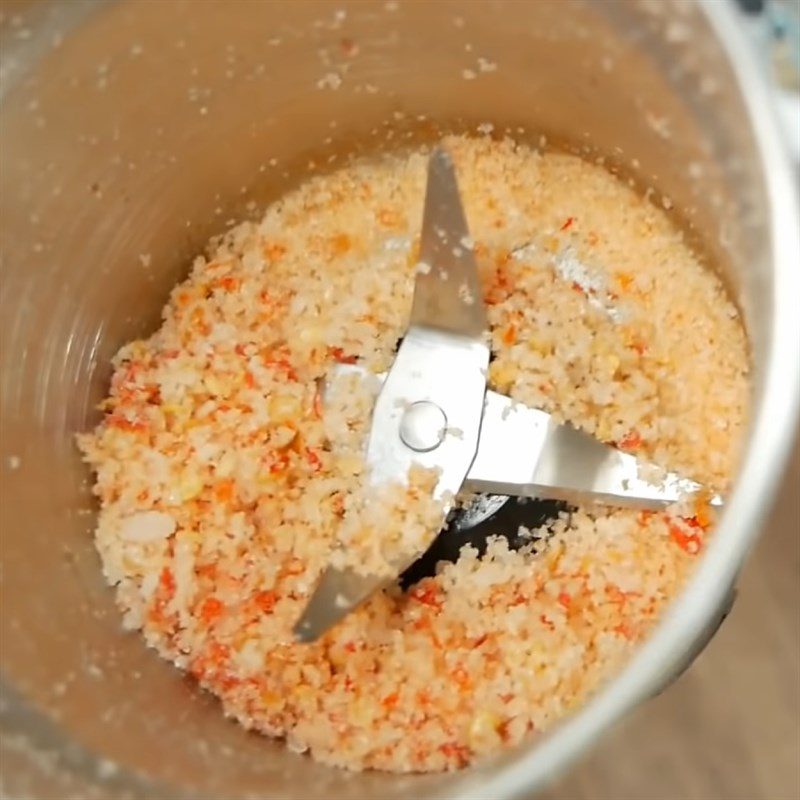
(133,131)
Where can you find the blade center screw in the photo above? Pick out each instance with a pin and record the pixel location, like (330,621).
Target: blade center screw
(423,426)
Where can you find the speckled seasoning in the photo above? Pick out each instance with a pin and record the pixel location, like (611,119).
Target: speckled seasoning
(224,480)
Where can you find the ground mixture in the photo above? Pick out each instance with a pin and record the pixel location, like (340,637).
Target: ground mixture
(224,480)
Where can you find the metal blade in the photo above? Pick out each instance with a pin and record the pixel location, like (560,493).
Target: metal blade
(447,292)
(524,452)
(430,407)
(335,596)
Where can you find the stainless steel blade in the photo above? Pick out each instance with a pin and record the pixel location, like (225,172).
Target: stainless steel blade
(429,409)
(338,592)
(447,292)
(524,452)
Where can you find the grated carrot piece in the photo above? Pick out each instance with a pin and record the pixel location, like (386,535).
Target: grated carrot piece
(340,357)
(340,244)
(426,593)
(624,280)
(313,459)
(122,423)
(462,678)
(631,441)
(224,491)
(167,582)
(266,601)
(690,543)
(316,404)
(211,609)
(228,283)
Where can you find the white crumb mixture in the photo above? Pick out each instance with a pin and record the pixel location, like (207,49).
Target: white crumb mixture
(224,480)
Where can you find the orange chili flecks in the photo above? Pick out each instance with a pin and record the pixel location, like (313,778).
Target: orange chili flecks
(690,543)
(644,517)
(266,601)
(198,321)
(340,243)
(207,570)
(567,224)
(422,624)
(339,355)
(461,677)
(390,701)
(123,379)
(166,591)
(249,379)
(124,424)
(313,459)
(228,283)
(637,345)
(702,514)
(510,334)
(294,566)
(624,630)
(316,403)
(278,463)
(624,280)
(167,583)
(211,609)
(426,593)
(456,751)
(564,600)
(223,491)
(218,654)
(267,300)
(631,441)
(616,595)
(278,359)
(500,286)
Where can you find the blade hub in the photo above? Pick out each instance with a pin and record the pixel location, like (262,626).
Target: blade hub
(423,426)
